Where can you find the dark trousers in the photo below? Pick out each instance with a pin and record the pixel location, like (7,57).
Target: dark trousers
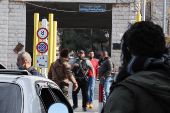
(83,85)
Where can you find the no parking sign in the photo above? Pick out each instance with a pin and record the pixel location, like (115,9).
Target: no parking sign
(42,47)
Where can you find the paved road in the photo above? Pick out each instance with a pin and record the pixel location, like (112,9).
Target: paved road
(95,102)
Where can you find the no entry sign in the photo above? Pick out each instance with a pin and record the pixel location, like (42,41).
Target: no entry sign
(42,33)
(42,47)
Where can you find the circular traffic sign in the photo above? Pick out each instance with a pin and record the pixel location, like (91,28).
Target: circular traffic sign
(42,33)
(42,47)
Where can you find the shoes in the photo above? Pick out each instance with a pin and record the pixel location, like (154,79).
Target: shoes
(91,106)
(87,104)
(74,107)
(84,109)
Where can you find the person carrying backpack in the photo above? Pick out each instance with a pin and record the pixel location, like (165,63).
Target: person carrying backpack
(143,84)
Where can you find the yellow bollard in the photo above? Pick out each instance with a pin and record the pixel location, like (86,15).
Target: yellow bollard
(138,18)
(39,40)
(54,40)
(50,40)
(36,20)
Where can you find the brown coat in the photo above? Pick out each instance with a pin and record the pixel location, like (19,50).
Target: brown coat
(63,69)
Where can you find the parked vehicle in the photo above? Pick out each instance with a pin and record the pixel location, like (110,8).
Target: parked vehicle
(21,92)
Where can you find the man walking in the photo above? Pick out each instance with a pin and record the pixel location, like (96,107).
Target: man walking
(80,68)
(92,80)
(143,85)
(105,74)
(60,72)
(24,63)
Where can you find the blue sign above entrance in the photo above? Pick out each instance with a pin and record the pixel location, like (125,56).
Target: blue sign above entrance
(92,7)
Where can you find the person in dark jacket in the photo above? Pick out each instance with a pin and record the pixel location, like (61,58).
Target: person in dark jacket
(105,74)
(24,63)
(143,85)
(80,68)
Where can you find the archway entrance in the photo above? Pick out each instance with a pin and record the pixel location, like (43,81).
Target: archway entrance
(70,17)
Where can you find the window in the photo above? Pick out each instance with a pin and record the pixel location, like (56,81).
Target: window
(49,94)
(46,98)
(10,98)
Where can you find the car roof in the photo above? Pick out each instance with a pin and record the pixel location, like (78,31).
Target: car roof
(13,75)
(26,78)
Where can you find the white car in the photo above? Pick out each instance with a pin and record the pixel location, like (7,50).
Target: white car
(21,92)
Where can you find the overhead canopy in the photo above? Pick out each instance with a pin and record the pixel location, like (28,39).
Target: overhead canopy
(65,18)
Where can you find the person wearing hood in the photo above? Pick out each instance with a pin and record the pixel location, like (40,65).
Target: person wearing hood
(60,72)
(143,85)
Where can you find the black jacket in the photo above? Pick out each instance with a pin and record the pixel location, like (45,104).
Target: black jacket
(149,93)
(106,68)
(33,71)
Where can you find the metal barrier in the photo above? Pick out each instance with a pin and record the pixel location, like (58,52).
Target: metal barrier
(100,97)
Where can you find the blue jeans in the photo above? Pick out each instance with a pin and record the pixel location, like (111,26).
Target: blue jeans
(91,90)
(106,88)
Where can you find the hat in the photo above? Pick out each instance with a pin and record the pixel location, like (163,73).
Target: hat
(81,51)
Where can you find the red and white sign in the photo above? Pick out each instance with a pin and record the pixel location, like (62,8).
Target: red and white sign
(42,33)
(42,47)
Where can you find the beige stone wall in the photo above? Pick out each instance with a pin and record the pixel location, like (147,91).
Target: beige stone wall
(81,1)
(16,30)
(12,30)
(3,31)
(122,15)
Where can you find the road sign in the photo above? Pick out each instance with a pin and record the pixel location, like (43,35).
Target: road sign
(92,7)
(42,61)
(42,33)
(42,47)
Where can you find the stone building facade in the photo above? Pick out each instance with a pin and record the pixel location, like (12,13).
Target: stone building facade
(13,23)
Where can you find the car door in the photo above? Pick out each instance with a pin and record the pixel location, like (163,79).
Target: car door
(49,93)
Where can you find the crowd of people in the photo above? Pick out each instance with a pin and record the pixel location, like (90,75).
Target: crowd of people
(142,85)
(83,73)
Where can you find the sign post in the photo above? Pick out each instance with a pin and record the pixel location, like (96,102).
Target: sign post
(42,61)
(42,47)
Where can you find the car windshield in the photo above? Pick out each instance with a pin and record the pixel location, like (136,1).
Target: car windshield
(10,98)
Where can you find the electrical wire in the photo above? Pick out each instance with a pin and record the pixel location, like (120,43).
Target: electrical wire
(35,8)
(53,9)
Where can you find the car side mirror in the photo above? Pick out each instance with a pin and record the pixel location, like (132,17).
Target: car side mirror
(58,108)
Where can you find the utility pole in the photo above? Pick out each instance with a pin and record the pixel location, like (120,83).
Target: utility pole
(164,16)
(143,10)
(91,39)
